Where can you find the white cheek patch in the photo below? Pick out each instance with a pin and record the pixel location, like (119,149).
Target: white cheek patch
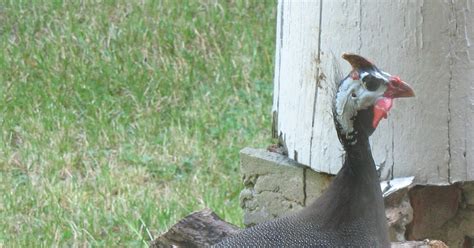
(367,98)
(352,97)
(346,105)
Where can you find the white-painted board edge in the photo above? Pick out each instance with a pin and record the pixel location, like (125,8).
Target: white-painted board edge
(426,43)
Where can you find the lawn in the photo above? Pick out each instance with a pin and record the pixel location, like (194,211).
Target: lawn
(121,117)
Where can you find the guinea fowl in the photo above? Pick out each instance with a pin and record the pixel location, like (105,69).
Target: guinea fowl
(351,211)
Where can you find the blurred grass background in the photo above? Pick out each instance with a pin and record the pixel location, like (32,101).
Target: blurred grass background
(121,117)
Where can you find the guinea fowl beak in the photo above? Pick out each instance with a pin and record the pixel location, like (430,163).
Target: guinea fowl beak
(396,88)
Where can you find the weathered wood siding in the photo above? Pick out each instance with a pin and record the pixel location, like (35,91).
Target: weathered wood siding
(426,43)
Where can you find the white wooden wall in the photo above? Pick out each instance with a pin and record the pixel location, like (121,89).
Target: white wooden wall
(429,44)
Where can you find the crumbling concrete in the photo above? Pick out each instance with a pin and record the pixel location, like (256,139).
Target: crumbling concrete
(433,206)
(397,206)
(276,185)
(450,218)
(315,184)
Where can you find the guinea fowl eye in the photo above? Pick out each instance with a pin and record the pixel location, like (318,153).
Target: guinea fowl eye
(372,83)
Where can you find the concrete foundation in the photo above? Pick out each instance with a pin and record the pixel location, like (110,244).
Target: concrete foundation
(276,185)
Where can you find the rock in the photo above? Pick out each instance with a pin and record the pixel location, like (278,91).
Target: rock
(315,184)
(468,193)
(397,206)
(274,185)
(432,207)
(420,244)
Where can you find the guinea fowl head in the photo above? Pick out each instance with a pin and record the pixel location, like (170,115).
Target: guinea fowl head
(363,98)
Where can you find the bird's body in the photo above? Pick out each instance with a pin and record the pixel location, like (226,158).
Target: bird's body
(350,213)
(350,209)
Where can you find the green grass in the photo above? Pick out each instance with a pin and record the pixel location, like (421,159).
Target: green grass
(121,117)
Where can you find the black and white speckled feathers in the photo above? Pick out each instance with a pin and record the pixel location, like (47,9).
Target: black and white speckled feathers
(350,213)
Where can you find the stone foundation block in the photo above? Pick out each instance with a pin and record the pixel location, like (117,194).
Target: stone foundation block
(275,185)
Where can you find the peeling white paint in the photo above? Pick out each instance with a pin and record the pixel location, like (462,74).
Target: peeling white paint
(426,43)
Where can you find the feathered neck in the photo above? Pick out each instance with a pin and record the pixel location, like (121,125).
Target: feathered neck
(361,131)
(354,196)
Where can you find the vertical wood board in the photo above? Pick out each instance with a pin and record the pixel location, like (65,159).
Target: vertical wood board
(461,89)
(294,75)
(426,43)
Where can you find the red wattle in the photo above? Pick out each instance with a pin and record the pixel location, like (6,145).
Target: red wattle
(381,108)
